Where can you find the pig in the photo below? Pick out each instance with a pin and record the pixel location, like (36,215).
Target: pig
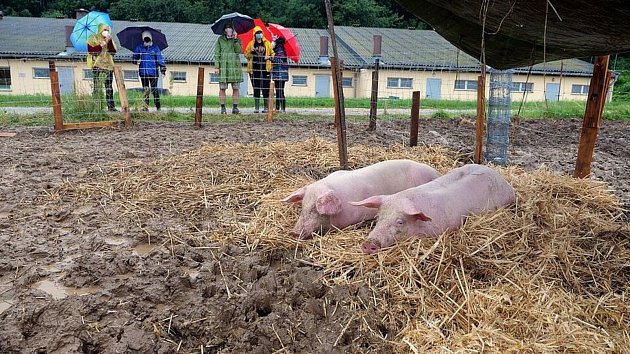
(326,203)
(437,206)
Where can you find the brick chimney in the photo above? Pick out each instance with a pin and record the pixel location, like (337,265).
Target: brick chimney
(69,47)
(78,13)
(323,51)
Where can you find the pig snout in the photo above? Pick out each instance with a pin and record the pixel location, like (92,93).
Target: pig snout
(301,235)
(370,246)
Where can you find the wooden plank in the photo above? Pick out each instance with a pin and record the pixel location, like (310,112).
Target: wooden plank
(56,96)
(270,105)
(415,117)
(7,135)
(481,117)
(340,114)
(592,116)
(122,94)
(89,125)
(199,101)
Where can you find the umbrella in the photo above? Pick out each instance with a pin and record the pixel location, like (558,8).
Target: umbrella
(131,37)
(241,23)
(291,44)
(87,26)
(247,37)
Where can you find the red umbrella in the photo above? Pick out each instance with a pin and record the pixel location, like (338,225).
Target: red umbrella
(291,44)
(249,35)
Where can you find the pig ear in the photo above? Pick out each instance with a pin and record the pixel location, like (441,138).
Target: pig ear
(328,204)
(371,202)
(295,197)
(411,210)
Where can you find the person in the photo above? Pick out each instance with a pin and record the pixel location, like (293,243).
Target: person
(101,48)
(227,57)
(149,57)
(258,54)
(280,72)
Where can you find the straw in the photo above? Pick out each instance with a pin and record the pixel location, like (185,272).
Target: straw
(548,274)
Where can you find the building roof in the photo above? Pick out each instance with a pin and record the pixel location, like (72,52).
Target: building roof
(35,37)
(520,33)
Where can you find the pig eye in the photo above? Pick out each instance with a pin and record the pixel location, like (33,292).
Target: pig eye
(400,222)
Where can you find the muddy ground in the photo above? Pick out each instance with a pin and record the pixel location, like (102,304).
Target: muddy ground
(83,279)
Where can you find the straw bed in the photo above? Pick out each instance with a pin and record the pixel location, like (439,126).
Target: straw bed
(549,274)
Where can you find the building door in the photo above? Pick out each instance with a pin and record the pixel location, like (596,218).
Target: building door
(553,92)
(322,86)
(66,80)
(244,85)
(434,89)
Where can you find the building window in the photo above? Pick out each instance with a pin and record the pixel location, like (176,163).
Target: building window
(399,82)
(466,85)
(346,82)
(214,78)
(41,73)
(522,86)
(130,75)
(178,76)
(5,78)
(579,89)
(298,80)
(87,74)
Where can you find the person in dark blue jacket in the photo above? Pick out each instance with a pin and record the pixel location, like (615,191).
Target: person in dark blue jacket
(151,63)
(280,72)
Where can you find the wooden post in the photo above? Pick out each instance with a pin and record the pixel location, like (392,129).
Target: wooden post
(272,89)
(122,93)
(415,116)
(481,116)
(592,116)
(199,101)
(340,114)
(56,96)
(374,96)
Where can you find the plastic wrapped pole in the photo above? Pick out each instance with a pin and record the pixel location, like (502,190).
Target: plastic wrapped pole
(499,114)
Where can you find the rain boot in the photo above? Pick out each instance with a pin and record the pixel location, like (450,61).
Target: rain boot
(256,104)
(264,110)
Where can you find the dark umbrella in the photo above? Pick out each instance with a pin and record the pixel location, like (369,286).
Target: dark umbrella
(131,37)
(241,23)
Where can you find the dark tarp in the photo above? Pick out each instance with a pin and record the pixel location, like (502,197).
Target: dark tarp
(515,30)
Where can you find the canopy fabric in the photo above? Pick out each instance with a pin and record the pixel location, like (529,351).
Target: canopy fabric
(522,33)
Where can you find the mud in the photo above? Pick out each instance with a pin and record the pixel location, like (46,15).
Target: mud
(82,278)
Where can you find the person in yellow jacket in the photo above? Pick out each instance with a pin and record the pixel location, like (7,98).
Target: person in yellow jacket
(259,54)
(101,48)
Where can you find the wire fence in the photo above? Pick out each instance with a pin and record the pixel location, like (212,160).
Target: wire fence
(306,89)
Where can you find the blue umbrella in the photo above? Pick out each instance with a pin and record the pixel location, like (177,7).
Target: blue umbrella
(87,26)
(241,23)
(131,37)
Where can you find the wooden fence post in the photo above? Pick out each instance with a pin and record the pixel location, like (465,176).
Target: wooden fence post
(597,93)
(199,101)
(122,93)
(415,116)
(270,105)
(56,96)
(481,117)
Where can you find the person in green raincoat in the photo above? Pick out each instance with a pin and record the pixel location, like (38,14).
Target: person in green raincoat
(227,59)
(101,48)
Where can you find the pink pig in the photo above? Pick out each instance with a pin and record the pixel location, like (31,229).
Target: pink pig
(326,203)
(437,206)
